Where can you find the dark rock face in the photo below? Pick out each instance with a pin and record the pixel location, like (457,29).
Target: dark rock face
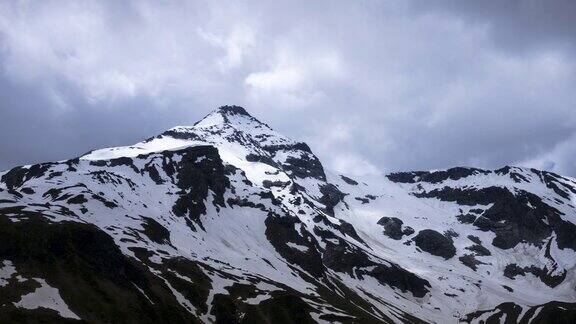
(514,217)
(466,218)
(479,250)
(233,110)
(17,176)
(105,177)
(402,279)
(305,166)
(269,184)
(508,288)
(280,231)
(450,233)
(530,227)
(565,232)
(281,308)
(125,161)
(552,312)
(513,270)
(199,170)
(435,243)
(434,177)
(344,227)
(393,227)
(406,177)
(474,239)
(28,191)
(180,135)
(104,201)
(470,261)
(517,177)
(298,146)
(262,159)
(78,199)
(331,196)
(408,230)
(347,229)
(152,173)
(334,259)
(366,199)
(363,200)
(155,231)
(80,260)
(341,257)
(349,181)
(552,181)
(300,163)
(344,258)
(511,218)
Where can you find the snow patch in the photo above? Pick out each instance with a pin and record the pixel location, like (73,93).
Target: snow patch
(46,297)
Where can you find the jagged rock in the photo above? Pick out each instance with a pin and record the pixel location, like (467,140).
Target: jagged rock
(466,218)
(435,177)
(393,227)
(402,279)
(479,250)
(229,221)
(435,243)
(512,270)
(349,181)
(470,261)
(155,231)
(331,196)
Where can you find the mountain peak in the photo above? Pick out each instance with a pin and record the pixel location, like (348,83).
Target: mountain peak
(231,203)
(232,110)
(234,115)
(225,124)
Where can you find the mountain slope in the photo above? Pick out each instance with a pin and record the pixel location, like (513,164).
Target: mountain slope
(229,221)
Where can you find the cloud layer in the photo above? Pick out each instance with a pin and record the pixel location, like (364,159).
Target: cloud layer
(372,86)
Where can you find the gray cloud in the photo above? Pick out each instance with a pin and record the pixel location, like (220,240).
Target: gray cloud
(372,86)
(518,25)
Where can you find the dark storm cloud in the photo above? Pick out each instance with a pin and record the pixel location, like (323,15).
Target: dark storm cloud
(371,85)
(34,129)
(518,25)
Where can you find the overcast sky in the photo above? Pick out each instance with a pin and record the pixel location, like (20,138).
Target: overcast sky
(372,86)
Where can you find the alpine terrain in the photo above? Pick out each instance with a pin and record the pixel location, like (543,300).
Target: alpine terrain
(228,221)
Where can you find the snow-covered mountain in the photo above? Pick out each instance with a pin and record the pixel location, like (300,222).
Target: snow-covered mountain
(228,221)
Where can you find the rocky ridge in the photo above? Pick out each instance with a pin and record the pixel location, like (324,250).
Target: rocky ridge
(228,221)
